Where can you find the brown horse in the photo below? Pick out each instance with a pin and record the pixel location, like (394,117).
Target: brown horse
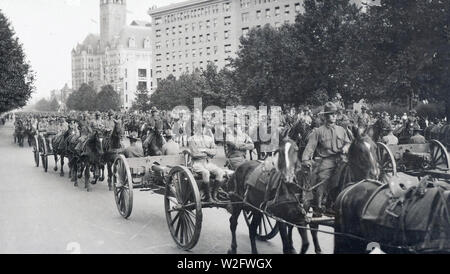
(112,145)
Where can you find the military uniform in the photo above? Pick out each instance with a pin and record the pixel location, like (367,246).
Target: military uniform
(325,146)
(170,148)
(203,148)
(390,139)
(237,147)
(133,152)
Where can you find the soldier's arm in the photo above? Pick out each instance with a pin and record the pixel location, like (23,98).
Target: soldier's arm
(313,140)
(211,148)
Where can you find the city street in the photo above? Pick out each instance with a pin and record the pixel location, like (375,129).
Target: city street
(44,213)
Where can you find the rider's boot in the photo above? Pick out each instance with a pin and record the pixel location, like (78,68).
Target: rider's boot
(207,193)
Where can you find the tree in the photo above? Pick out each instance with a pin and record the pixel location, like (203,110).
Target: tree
(42,105)
(84,99)
(16,76)
(107,99)
(142,101)
(53,105)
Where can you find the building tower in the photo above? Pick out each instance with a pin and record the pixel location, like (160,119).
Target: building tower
(113,17)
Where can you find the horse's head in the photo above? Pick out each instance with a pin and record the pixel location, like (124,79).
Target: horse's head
(287,159)
(362,157)
(97,142)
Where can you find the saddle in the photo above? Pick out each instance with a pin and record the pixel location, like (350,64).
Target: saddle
(415,216)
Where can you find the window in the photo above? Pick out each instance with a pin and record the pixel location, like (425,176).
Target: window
(226,7)
(215,49)
(258,14)
(173,42)
(227,20)
(132,42)
(245,32)
(180,29)
(193,40)
(215,22)
(142,73)
(200,25)
(167,56)
(158,33)
(142,85)
(208,24)
(227,48)
(245,17)
(215,36)
(200,52)
(193,53)
(277,11)
(208,51)
(186,27)
(158,21)
(187,53)
(208,37)
(226,34)
(298,8)
(193,26)
(267,13)
(167,31)
(200,38)
(277,25)
(286,9)
(187,41)
(158,45)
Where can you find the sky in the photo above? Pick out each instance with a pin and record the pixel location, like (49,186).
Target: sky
(49,30)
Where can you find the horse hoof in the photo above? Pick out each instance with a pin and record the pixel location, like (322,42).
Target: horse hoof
(55,169)
(110,188)
(231,252)
(101,179)
(318,252)
(75,185)
(61,175)
(290,251)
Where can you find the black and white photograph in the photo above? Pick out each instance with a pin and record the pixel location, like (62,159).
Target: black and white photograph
(224,128)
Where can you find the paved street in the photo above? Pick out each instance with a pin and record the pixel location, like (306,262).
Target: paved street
(43,213)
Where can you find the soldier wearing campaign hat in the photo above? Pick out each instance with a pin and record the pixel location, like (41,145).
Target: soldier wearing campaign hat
(327,143)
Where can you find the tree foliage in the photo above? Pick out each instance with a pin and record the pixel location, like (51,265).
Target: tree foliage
(215,88)
(83,99)
(16,76)
(107,99)
(141,101)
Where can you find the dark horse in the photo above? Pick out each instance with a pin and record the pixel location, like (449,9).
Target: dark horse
(153,147)
(60,149)
(19,133)
(112,146)
(93,159)
(89,158)
(362,164)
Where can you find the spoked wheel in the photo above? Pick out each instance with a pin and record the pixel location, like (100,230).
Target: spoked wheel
(388,165)
(439,156)
(123,186)
(44,156)
(267,229)
(183,208)
(36,151)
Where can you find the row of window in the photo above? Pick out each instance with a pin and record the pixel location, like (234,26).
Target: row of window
(192,40)
(194,26)
(193,53)
(186,67)
(193,13)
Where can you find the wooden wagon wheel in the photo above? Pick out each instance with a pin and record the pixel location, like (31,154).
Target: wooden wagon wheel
(183,207)
(439,156)
(388,165)
(267,229)
(36,151)
(123,186)
(44,155)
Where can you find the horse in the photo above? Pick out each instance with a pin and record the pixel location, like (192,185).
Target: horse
(30,132)
(362,164)
(19,133)
(111,146)
(92,158)
(281,179)
(60,148)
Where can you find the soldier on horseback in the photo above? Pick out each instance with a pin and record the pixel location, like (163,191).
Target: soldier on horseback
(155,127)
(323,153)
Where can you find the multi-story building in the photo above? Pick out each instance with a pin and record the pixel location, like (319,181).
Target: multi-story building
(120,56)
(190,34)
